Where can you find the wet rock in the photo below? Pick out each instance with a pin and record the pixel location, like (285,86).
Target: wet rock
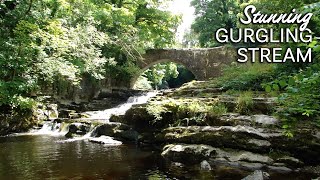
(107,140)
(41,115)
(77,129)
(138,118)
(66,113)
(187,153)
(257,175)
(109,129)
(117,130)
(130,135)
(52,111)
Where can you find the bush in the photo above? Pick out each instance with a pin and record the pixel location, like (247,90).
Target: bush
(245,77)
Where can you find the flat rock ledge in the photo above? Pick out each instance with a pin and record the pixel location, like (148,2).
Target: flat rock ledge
(304,145)
(197,154)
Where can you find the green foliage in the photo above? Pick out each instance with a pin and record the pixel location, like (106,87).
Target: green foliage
(301,95)
(160,73)
(190,39)
(54,44)
(212,15)
(143,84)
(245,77)
(186,110)
(245,102)
(157,109)
(217,110)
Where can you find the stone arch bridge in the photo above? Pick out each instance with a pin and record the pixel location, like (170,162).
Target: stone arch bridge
(204,63)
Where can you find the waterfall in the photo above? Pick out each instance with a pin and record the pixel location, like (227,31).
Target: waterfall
(105,115)
(51,128)
(60,129)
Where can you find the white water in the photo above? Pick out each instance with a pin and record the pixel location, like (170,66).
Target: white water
(121,109)
(57,129)
(49,128)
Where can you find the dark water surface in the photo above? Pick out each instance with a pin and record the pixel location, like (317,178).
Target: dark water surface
(47,157)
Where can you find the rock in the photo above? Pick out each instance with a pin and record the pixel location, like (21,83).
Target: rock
(303,145)
(106,140)
(177,164)
(291,161)
(208,155)
(130,135)
(311,170)
(264,119)
(76,129)
(280,168)
(255,120)
(65,113)
(52,111)
(110,129)
(187,153)
(118,130)
(204,165)
(237,137)
(257,175)
(259,143)
(41,115)
(317,135)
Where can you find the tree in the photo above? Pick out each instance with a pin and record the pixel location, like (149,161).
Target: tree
(160,73)
(212,15)
(190,39)
(58,42)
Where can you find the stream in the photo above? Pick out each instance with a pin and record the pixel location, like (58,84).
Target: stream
(47,154)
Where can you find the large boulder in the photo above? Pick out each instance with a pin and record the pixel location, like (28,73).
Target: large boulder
(257,175)
(117,130)
(78,129)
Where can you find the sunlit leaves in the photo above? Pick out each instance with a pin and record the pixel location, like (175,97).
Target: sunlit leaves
(49,42)
(212,15)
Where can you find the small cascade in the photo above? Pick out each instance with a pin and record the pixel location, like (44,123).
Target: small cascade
(54,128)
(51,128)
(105,115)
(88,135)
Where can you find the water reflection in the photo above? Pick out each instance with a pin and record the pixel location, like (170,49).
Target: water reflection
(47,157)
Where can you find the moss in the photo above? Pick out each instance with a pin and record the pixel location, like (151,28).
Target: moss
(18,121)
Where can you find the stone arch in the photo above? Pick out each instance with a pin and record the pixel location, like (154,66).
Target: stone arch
(204,63)
(147,66)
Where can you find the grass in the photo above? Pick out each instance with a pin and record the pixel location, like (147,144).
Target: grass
(245,102)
